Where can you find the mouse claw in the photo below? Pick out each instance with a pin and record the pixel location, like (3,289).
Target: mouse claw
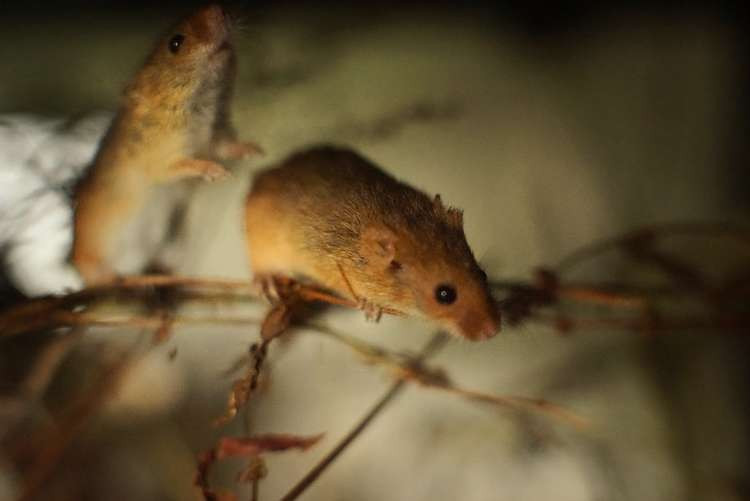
(373,312)
(214,172)
(268,288)
(193,167)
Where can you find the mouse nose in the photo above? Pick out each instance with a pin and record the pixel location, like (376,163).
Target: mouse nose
(488,328)
(477,327)
(215,11)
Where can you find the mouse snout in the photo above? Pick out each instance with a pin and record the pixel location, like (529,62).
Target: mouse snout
(477,326)
(213,22)
(489,328)
(214,13)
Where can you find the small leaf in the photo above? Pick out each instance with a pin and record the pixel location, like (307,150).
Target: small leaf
(254,446)
(276,322)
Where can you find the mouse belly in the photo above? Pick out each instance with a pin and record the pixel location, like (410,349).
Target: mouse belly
(144,236)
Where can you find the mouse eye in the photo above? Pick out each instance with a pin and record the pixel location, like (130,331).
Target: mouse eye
(445,294)
(482,274)
(175,42)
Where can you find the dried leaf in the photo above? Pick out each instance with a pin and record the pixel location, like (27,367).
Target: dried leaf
(276,322)
(205,461)
(238,397)
(251,447)
(254,446)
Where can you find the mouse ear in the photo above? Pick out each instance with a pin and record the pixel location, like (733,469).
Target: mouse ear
(438,202)
(377,244)
(453,216)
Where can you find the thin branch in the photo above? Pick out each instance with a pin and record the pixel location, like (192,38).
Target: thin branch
(70,319)
(536,405)
(53,442)
(128,283)
(148,322)
(739,324)
(46,364)
(411,368)
(51,312)
(430,348)
(41,373)
(738,233)
(601,296)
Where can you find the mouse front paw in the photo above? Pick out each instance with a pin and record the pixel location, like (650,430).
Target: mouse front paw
(373,312)
(211,171)
(93,270)
(237,150)
(195,167)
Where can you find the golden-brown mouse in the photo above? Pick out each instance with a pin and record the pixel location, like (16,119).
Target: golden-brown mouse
(172,126)
(329,216)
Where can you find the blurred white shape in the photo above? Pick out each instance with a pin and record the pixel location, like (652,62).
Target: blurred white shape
(40,159)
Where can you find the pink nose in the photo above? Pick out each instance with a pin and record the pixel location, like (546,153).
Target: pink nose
(477,328)
(489,328)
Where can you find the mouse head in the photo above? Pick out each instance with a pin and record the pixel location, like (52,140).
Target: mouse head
(433,263)
(200,42)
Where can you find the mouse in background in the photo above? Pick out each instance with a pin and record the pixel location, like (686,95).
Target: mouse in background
(172,126)
(331,217)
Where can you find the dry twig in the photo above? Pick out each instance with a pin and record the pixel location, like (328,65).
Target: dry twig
(51,443)
(411,368)
(430,348)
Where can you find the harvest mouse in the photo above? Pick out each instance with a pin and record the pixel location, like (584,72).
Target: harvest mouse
(330,216)
(172,124)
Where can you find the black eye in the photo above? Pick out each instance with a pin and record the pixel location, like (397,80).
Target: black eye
(445,294)
(175,42)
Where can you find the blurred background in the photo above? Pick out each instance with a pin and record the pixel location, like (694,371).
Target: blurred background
(551,125)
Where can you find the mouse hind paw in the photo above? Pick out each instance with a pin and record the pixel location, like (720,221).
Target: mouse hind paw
(372,311)
(267,288)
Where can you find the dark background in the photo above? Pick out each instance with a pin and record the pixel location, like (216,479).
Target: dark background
(74,58)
